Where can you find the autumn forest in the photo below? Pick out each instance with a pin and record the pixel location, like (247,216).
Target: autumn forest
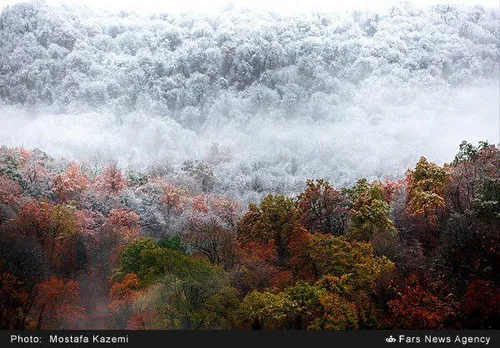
(244,170)
(76,250)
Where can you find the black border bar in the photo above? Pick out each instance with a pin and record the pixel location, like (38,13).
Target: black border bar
(257,339)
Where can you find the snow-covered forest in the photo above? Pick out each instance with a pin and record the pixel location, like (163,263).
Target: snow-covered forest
(249,170)
(264,101)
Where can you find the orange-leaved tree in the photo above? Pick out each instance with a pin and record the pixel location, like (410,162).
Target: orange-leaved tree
(58,304)
(71,183)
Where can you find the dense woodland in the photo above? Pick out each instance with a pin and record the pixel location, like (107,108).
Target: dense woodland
(153,169)
(199,67)
(338,96)
(79,249)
